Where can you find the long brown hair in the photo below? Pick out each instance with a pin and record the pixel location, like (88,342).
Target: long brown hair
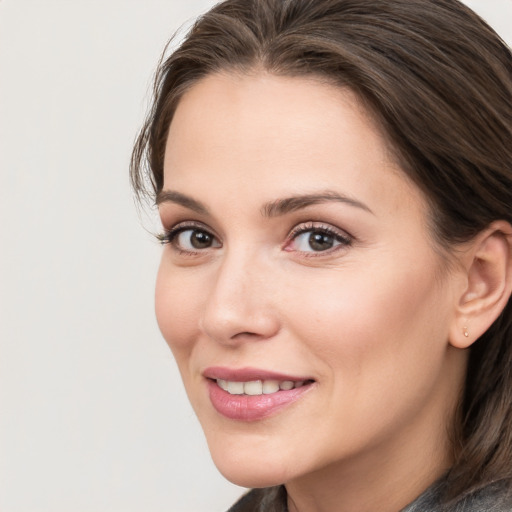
(438,80)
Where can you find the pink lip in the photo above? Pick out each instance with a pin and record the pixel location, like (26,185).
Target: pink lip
(248,374)
(250,408)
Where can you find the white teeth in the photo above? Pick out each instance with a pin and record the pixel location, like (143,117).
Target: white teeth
(235,388)
(270,386)
(286,385)
(257,387)
(222,384)
(254,387)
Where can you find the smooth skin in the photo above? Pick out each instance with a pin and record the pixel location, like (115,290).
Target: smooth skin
(349,289)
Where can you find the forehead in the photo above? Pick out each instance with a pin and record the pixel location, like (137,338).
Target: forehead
(275,113)
(279,99)
(265,132)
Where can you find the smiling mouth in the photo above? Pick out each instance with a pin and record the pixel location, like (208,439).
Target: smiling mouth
(259,387)
(251,394)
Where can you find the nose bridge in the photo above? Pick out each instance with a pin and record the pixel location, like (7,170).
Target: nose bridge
(239,304)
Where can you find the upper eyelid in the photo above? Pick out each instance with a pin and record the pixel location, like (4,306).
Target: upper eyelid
(189,224)
(300,227)
(304,227)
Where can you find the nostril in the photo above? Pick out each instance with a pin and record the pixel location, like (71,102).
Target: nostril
(249,335)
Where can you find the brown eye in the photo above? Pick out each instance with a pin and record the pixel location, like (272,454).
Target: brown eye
(317,239)
(320,241)
(194,240)
(200,240)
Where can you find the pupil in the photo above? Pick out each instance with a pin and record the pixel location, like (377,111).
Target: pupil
(200,240)
(320,241)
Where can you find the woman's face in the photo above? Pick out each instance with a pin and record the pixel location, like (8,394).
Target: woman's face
(299,290)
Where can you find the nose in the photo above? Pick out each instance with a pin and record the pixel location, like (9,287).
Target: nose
(239,303)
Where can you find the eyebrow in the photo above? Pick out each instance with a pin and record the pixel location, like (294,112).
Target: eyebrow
(271,209)
(294,203)
(171,196)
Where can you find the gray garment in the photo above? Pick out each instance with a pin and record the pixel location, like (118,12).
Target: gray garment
(271,499)
(493,498)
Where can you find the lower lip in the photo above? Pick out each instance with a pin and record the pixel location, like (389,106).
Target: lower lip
(249,407)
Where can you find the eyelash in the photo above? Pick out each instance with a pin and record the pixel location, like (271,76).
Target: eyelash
(344,239)
(169,236)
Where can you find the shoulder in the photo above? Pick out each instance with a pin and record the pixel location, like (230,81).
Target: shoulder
(496,497)
(271,499)
(493,498)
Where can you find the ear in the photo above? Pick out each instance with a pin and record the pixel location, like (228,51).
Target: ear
(487,265)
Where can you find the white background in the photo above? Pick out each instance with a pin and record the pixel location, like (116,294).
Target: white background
(92,412)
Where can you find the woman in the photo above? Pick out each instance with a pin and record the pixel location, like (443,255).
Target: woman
(334,179)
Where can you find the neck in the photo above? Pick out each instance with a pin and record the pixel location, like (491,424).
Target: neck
(366,486)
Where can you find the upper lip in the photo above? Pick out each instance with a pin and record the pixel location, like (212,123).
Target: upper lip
(248,374)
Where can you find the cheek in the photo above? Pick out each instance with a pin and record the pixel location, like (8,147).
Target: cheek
(371,321)
(177,305)
(377,353)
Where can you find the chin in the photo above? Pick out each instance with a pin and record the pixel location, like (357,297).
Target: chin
(251,476)
(248,467)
